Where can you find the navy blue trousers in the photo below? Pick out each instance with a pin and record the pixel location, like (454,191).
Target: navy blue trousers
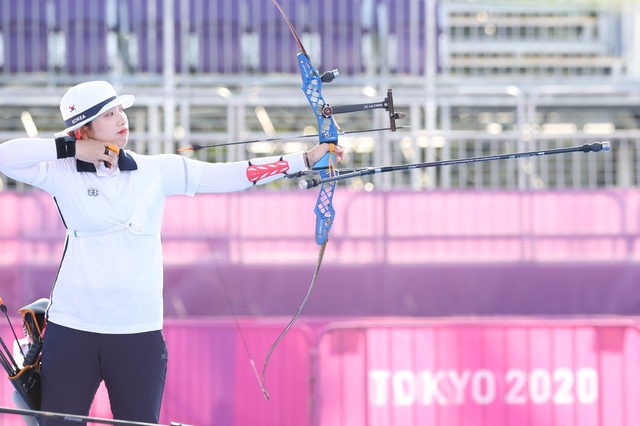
(74,362)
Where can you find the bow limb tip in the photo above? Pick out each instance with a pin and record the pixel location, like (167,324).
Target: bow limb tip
(261,383)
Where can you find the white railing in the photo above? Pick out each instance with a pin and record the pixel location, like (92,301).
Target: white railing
(444,123)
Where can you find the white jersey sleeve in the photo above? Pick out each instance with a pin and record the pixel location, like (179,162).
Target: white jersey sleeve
(184,176)
(27,160)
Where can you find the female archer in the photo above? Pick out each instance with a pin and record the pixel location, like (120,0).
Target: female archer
(105,317)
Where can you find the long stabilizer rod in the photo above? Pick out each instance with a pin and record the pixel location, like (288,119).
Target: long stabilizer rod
(74,418)
(316,180)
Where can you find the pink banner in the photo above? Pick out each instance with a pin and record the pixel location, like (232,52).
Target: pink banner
(399,227)
(381,372)
(210,380)
(391,253)
(480,373)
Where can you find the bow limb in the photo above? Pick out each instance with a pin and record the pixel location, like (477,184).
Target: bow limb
(294,33)
(262,379)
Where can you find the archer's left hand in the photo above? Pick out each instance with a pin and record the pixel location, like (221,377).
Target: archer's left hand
(317,152)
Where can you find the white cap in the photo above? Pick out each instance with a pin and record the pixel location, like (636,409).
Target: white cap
(86,101)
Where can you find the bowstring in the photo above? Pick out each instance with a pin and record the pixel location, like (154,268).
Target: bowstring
(243,339)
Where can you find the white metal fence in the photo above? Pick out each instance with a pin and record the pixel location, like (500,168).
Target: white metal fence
(466,122)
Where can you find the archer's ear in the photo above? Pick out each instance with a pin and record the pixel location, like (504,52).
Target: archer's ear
(81,133)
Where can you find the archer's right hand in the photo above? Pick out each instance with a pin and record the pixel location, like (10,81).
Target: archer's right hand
(94,151)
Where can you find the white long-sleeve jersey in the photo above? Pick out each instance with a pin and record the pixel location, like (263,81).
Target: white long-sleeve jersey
(110,276)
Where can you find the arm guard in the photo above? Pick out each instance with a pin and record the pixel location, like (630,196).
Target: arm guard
(258,172)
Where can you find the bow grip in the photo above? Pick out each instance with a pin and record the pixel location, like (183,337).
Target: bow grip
(324,161)
(328,158)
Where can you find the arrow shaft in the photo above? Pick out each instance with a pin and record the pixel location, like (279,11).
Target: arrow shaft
(285,138)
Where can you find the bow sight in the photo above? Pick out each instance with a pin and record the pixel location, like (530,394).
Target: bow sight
(387,104)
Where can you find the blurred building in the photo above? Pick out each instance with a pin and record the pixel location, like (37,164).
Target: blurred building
(476,77)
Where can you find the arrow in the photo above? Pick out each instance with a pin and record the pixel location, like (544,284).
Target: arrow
(196,147)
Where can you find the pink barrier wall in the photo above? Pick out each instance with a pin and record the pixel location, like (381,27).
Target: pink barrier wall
(480,373)
(391,371)
(391,253)
(210,381)
(400,227)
